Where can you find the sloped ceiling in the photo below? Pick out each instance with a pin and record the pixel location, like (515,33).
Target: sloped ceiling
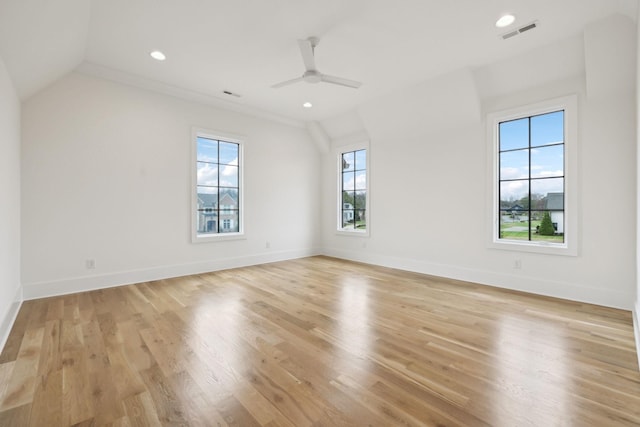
(41,41)
(245,46)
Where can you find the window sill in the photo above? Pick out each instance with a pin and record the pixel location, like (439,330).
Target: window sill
(223,237)
(537,247)
(353,233)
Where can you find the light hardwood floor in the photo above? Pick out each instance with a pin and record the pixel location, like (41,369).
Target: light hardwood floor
(317,342)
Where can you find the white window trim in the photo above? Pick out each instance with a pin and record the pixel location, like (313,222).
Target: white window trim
(227,137)
(570,246)
(338,151)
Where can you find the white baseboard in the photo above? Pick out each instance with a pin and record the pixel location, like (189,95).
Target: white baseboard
(636,328)
(534,285)
(6,321)
(89,283)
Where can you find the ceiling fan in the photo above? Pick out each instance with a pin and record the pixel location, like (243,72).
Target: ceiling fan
(312,75)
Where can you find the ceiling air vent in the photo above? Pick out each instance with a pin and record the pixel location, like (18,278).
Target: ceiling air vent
(520,30)
(226,92)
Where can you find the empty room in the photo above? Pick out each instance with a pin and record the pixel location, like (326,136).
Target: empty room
(319,213)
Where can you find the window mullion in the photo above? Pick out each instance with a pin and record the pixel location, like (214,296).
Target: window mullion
(218,214)
(529,170)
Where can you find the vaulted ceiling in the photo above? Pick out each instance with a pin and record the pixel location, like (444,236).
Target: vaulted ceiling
(246,46)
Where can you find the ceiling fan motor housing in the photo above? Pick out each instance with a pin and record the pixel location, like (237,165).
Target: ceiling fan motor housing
(312,76)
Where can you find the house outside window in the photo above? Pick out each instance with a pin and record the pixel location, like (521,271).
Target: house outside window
(217,183)
(534,162)
(353,191)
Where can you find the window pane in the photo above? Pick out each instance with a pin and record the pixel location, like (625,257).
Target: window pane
(547,129)
(514,134)
(361,180)
(361,160)
(207,222)
(207,150)
(348,161)
(348,199)
(208,196)
(207,174)
(361,200)
(348,181)
(553,231)
(229,221)
(551,189)
(514,224)
(207,210)
(514,195)
(514,164)
(347,218)
(547,161)
(228,199)
(228,176)
(538,201)
(360,210)
(360,220)
(228,153)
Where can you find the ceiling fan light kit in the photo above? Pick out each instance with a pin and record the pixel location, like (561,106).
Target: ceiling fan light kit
(311,74)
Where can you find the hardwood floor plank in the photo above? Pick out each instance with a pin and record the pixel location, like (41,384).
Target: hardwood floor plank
(141,410)
(235,414)
(317,342)
(6,369)
(168,407)
(199,409)
(17,416)
(22,384)
(77,401)
(12,346)
(260,407)
(103,388)
(47,400)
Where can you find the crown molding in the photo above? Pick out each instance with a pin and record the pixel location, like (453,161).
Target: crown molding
(125,78)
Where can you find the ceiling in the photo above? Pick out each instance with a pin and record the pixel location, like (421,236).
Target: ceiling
(246,46)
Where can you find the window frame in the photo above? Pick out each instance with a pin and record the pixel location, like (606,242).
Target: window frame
(338,152)
(569,104)
(225,137)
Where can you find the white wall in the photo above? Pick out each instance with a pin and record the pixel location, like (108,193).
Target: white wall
(106,176)
(10,289)
(428,192)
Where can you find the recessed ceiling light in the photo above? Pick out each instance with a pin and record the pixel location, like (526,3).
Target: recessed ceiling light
(505,21)
(307,105)
(156,54)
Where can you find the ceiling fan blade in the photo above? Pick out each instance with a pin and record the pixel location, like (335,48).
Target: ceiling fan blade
(306,49)
(287,82)
(340,81)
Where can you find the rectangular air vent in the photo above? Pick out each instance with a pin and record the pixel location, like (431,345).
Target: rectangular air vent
(527,27)
(227,92)
(520,30)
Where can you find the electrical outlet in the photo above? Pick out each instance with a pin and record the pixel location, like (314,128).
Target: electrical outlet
(90,264)
(267,245)
(517,264)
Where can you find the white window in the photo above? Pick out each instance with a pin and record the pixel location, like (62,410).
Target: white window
(217,186)
(533,159)
(353,192)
